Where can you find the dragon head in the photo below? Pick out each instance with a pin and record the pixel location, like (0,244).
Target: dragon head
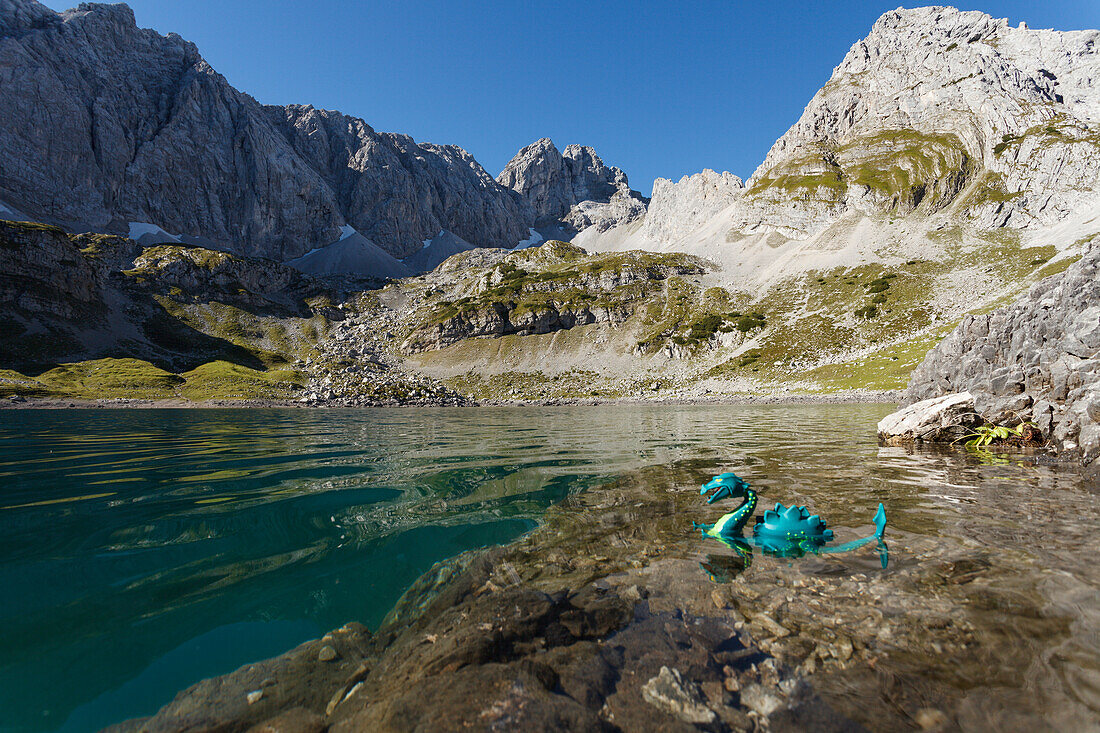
(724,485)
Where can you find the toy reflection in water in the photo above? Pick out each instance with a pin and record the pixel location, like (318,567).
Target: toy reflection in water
(781,532)
(724,568)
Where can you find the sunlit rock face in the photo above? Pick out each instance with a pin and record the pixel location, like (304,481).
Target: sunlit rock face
(1033,360)
(573,189)
(679,208)
(103,123)
(934,108)
(935,112)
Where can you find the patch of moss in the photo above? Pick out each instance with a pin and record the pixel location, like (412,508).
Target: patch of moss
(705,327)
(225,380)
(906,166)
(110,378)
(34,226)
(799,184)
(888,368)
(13,382)
(208,259)
(749,358)
(1054,268)
(744,324)
(268,339)
(990,188)
(867,312)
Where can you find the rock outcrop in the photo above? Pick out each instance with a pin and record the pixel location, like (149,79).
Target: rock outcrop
(573,190)
(68,298)
(1037,360)
(677,209)
(937,420)
(44,280)
(536,291)
(103,124)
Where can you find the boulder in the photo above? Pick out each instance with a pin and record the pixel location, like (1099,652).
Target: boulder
(937,420)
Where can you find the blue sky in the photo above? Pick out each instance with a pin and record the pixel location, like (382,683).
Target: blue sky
(659,89)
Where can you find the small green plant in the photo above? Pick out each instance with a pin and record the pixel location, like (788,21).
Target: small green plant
(744,324)
(705,327)
(986,434)
(867,312)
(749,357)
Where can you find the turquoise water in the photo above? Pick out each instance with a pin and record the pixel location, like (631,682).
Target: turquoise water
(144,550)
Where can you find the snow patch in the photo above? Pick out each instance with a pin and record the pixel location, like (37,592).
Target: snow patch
(531,241)
(345,231)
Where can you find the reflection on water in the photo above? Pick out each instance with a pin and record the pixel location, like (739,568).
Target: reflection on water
(143,550)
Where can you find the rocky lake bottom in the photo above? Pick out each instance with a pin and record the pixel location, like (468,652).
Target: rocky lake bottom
(531,568)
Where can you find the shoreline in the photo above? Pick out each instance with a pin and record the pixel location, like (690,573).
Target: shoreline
(769,398)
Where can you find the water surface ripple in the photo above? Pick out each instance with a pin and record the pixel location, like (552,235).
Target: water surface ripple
(142,550)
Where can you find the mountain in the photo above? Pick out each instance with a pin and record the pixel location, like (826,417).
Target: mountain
(948,165)
(103,124)
(950,162)
(571,191)
(939,118)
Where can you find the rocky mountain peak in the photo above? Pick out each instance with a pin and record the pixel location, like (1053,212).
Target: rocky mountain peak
(571,189)
(932,103)
(678,208)
(538,174)
(119,13)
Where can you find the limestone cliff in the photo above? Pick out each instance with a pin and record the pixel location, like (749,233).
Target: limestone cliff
(103,123)
(932,101)
(572,190)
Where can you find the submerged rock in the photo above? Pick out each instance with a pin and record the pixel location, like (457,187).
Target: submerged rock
(671,693)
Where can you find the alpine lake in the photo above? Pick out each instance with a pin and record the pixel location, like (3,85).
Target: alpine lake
(144,550)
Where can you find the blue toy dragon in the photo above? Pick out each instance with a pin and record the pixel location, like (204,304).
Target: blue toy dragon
(783,531)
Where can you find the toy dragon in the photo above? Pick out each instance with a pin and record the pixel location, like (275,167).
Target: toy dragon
(783,531)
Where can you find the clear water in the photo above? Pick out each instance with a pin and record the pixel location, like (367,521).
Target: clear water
(141,551)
